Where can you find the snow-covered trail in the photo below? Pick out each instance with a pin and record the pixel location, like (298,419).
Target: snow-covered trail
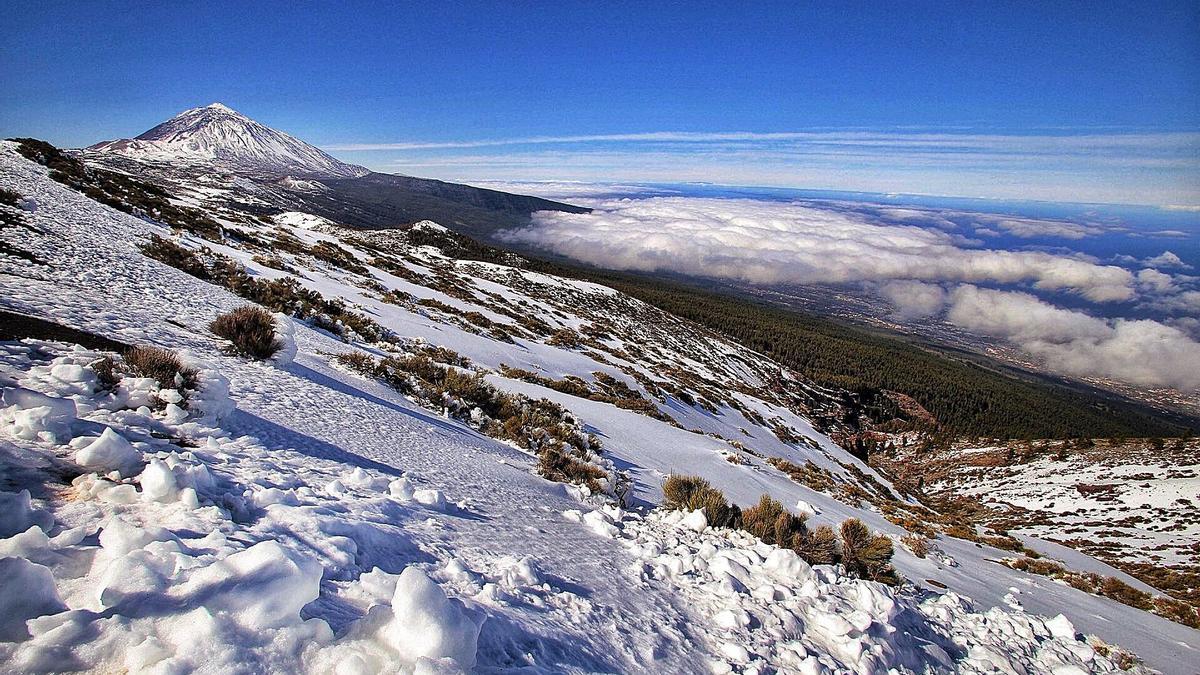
(617,623)
(505,509)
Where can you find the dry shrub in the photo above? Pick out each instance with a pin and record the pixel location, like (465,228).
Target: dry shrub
(1045,568)
(772,523)
(170,253)
(1177,611)
(565,337)
(558,466)
(865,554)
(250,330)
(162,365)
(819,547)
(692,493)
(917,544)
(1124,593)
(107,373)
(358,362)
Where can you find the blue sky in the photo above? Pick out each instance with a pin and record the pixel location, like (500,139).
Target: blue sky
(1039,100)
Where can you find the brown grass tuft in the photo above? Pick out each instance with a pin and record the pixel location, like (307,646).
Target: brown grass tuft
(250,330)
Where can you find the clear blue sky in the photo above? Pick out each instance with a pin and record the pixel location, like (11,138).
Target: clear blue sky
(371,81)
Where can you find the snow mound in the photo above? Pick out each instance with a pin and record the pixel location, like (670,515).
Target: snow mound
(36,416)
(110,452)
(263,586)
(427,624)
(18,514)
(285,333)
(28,591)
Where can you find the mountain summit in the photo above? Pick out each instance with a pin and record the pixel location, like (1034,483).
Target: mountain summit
(216,133)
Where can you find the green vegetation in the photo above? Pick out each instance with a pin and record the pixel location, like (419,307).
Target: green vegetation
(964,396)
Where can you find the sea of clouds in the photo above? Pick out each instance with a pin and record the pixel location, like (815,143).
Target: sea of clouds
(926,263)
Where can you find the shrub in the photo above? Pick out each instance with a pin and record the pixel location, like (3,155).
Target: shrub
(693,492)
(106,373)
(1177,611)
(819,547)
(565,337)
(250,330)
(864,554)
(357,361)
(274,262)
(10,198)
(542,426)
(559,466)
(769,521)
(162,365)
(917,544)
(679,490)
(170,253)
(1124,593)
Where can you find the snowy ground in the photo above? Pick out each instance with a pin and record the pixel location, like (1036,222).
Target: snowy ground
(1129,501)
(328,524)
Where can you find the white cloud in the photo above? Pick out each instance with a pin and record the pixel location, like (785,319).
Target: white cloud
(914,299)
(1185,302)
(1153,281)
(1167,259)
(1140,352)
(776,243)
(1030,227)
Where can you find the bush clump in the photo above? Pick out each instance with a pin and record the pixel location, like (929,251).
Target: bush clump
(772,523)
(166,251)
(565,452)
(250,331)
(559,466)
(161,364)
(863,554)
(692,493)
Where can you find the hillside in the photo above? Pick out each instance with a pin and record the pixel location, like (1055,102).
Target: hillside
(336,506)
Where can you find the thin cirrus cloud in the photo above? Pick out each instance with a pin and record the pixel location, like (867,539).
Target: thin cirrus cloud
(1062,165)
(922,271)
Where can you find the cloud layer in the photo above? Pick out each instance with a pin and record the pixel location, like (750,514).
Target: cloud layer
(929,271)
(1140,352)
(774,243)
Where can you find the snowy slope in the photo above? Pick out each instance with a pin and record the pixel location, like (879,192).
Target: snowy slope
(219,135)
(305,501)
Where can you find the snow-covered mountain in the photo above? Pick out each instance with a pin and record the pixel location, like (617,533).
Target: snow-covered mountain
(218,134)
(226,163)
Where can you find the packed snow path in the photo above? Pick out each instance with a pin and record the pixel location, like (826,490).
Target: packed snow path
(311,458)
